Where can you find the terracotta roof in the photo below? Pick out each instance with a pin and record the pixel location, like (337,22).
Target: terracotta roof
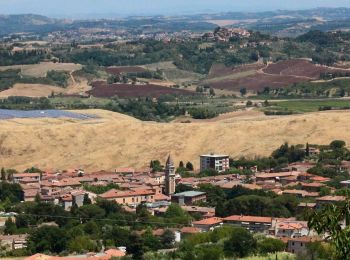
(113,193)
(299,192)
(69,182)
(320,179)
(291,226)
(115,253)
(125,170)
(13,237)
(100,256)
(190,230)
(158,232)
(208,221)
(313,184)
(67,197)
(276,174)
(331,198)
(31,193)
(254,219)
(23,175)
(161,197)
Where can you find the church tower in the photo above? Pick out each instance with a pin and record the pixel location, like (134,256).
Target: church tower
(169,176)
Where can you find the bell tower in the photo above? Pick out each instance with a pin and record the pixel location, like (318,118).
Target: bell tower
(169,176)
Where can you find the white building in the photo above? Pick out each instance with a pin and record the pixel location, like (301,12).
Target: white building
(217,162)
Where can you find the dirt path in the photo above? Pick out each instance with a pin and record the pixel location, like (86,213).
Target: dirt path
(72,78)
(79,86)
(261,71)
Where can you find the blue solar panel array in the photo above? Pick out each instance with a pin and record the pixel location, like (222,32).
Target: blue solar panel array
(10,114)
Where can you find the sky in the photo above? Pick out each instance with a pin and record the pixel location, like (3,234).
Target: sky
(76,8)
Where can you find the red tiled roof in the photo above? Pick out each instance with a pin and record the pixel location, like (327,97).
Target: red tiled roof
(276,174)
(23,175)
(331,198)
(290,226)
(208,221)
(158,232)
(68,182)
(67,197)
(190,230)
(240,218)
(113,193)
(161,197)
(320,179)
(115,253)
(123,170)
(313,184)
(301,192)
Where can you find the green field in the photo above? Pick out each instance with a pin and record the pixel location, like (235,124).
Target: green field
(309,105)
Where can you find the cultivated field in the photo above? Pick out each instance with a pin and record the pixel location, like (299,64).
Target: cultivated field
(181,76)
(257,76)
(116,140)
(40,70)
(101,89)
(298,68)
(31,90)
(75,87)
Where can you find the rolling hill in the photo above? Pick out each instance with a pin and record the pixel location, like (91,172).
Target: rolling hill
(115,140)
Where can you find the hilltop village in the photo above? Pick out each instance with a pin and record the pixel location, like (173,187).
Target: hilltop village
(270,196)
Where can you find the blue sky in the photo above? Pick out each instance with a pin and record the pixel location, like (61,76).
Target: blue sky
(71,8)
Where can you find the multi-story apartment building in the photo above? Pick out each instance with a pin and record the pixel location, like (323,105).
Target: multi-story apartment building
(217,162)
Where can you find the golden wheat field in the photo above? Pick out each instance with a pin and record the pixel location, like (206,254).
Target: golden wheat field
(31,90)
(40,69)
(115,140)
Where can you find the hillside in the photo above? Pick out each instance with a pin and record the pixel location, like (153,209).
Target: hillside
(116,140)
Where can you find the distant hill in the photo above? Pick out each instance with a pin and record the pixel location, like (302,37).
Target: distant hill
(27,23)
(280,22)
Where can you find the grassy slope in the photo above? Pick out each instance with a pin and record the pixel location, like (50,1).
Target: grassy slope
(116,140)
